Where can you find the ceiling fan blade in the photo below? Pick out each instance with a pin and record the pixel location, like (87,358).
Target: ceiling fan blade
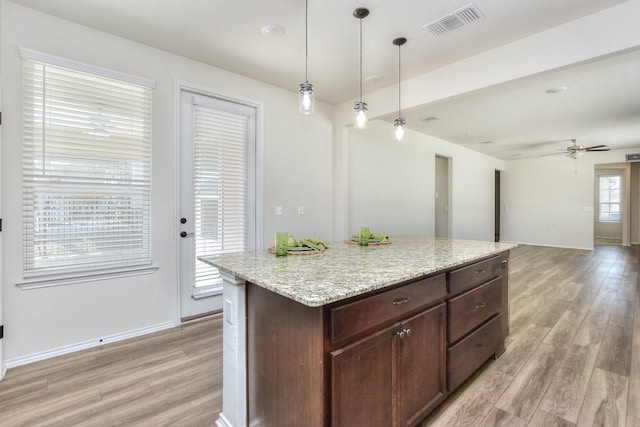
(597,149)
(596,146)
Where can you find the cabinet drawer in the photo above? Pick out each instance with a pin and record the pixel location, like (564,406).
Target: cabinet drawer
(352,318)
(472,275)
(470,353)
(470,309)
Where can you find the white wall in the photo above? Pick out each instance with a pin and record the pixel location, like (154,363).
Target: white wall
(297,171)
(549,201)
(391,184)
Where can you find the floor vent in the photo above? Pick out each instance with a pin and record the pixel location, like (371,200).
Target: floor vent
(457,19)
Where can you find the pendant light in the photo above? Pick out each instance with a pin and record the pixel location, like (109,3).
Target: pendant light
(400,122)
(361,107)
(305,101)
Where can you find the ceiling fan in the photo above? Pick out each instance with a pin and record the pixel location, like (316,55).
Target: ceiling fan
(574,151)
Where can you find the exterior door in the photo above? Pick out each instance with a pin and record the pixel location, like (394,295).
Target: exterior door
(217,194)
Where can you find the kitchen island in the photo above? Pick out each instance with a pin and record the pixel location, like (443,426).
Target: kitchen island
(375,335)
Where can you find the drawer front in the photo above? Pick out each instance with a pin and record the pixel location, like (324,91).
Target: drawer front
(472,275)
(352,318)
(470,353)
(470,309)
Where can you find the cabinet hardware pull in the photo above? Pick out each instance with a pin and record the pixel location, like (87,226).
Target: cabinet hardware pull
(480,305)
(481,271)
(404,333)
(480,347)
(401,301)
(504,263)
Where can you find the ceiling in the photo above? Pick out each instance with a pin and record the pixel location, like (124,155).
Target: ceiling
(600,106)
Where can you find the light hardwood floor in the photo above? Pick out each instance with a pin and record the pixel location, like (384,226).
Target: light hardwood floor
(573,358)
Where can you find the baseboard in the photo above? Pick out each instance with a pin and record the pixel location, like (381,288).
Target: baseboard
(36,357)
(552,246)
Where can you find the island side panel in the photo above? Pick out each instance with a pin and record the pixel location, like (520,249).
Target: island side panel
(286,385)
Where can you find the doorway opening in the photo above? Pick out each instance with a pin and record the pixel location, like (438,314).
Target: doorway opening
(442,196)
(612,207)
(496,208)
(217,194)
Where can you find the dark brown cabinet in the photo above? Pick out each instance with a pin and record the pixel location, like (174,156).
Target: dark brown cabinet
(386,358)
(408,358)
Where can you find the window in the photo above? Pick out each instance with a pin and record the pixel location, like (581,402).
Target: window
(86,168)
(609,191)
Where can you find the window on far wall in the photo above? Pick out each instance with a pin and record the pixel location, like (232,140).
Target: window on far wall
(86,168)
(610,189)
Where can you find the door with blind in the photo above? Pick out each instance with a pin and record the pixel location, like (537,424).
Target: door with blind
(217,194)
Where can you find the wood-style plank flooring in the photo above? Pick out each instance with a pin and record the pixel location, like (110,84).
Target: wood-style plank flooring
(572,359)
(573,353)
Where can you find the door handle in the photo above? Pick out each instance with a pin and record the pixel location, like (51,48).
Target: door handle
(185,234)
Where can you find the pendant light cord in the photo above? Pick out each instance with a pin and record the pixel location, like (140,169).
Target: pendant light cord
(399,80)
(306,40)
(360,59)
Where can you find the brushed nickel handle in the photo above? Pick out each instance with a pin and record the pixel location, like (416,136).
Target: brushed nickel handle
(480,347)
(481,271)
(404,333)
(400,301)
(504,263)
(480,305)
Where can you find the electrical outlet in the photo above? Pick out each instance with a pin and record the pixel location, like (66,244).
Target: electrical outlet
(278,210)
(300,210)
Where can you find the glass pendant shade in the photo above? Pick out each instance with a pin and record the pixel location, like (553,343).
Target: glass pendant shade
(360,106)
(306,98)
(361,115)
(305,93)
(399,124)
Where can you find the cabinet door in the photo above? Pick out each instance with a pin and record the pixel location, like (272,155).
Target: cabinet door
(421,368)
(362,382)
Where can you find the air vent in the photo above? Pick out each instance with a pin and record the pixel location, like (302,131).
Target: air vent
(430,119)
(457,19)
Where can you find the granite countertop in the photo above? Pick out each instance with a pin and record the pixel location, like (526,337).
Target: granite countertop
(345,270)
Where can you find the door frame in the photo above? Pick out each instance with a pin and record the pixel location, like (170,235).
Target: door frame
(258,173)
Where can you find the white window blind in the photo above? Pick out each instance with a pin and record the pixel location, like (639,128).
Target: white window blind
(86,171)
(220,186)
(610,191)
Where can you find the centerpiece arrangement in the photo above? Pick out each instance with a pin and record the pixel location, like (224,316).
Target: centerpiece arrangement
(307,246)
(374,239)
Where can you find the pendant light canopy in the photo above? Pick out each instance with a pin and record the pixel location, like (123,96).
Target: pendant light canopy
(360,106)
(400,122)
(306,89)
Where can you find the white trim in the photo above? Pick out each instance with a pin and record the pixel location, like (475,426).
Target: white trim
(31,54)
(52,280)
(36,357)
(199,293)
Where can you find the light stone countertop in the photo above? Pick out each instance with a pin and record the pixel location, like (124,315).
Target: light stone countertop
(346,270)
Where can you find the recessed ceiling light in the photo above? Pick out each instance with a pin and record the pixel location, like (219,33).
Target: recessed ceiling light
(272,30)
(516,155)
(557,89)
(486,142)
(373,79)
